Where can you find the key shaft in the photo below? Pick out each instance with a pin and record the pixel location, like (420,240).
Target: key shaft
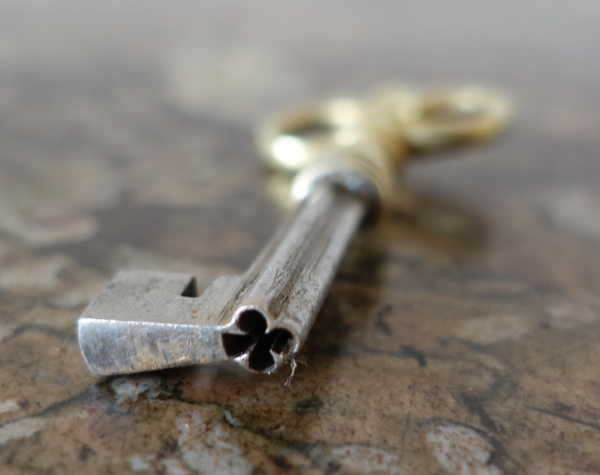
(145,321)
(285,287)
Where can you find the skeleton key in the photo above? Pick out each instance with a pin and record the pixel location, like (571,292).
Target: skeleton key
(345,153)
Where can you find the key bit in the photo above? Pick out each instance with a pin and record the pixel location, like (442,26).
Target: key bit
(345,153)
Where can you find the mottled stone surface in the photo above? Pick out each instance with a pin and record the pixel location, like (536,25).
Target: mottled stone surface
(462,337)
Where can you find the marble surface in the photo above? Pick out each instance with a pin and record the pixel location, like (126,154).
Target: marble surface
(460,337)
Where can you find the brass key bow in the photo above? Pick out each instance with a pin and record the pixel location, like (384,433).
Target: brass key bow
(345,153)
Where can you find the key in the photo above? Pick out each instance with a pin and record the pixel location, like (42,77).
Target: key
(345,154)
(149,320)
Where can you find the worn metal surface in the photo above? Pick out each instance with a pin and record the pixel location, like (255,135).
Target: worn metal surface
(144,321)
(466,333)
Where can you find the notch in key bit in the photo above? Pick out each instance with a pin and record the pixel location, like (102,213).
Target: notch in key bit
(347,151)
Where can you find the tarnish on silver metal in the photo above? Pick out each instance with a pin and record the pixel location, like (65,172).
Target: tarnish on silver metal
(146,321)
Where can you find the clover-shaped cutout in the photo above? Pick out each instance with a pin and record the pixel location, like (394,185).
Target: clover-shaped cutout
(255,341)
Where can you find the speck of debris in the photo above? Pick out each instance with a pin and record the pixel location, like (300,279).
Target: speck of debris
(414,353)
(311,404)
(282,462)
(85,453)
(380,324)
(23,402)
(231,419)
(564,407)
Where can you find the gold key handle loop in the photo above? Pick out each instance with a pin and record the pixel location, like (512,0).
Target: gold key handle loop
(397,119)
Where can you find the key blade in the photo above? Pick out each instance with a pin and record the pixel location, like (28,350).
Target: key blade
(144,321)
(119,347)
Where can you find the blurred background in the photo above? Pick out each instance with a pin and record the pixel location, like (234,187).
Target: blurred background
(156,102)
(149,99)
(126,141)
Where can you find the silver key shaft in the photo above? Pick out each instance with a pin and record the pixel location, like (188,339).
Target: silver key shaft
(285,287)
(152,320)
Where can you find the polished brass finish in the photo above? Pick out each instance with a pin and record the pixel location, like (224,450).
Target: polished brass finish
(398,119)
